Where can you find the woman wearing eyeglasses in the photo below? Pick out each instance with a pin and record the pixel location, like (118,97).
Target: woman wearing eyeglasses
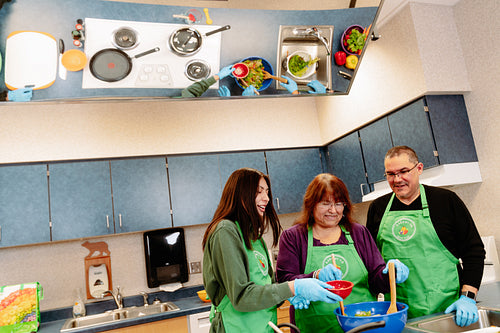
(325,227)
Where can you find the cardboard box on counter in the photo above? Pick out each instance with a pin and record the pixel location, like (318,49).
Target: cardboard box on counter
(19,307)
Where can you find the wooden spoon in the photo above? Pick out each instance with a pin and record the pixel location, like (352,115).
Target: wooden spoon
(243,83)
(341,303)
(268,75)
(392,282)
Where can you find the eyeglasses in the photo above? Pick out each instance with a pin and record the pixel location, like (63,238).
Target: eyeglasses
(400,173)
(328,204)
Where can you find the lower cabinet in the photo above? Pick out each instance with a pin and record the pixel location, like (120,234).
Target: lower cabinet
(173,325)
(284,316)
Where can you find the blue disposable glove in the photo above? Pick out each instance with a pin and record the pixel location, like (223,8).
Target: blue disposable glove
(291,86)
(402,271)
(466,311)
(226,71)
(317,87)
(330,273)
(224,91)
(315,290)
(20,95)
(249,91)
(299,302)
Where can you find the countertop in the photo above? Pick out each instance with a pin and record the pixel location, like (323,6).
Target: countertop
(189,303)
(252,33)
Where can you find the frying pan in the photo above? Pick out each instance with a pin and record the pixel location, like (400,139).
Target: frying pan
(187,41)
(113,65)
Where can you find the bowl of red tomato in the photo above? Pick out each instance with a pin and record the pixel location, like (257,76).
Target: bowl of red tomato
(255,76)
(353,39)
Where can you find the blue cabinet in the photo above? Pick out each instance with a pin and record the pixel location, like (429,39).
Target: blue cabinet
(410,126)
(375,142)
(195,188)
(80,199)
(230,162)
(24,206)
(290,172)
(345,160)
(141,197)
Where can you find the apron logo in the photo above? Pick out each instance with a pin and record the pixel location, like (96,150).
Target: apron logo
(340,263)
(404,229)
(262,262)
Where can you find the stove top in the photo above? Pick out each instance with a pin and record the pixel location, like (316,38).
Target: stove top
(162,69)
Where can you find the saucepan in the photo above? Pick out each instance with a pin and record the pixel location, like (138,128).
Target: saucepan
(113,65)
(361,328)
(187,41)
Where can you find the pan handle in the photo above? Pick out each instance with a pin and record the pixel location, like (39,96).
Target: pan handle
(156,49)
(226,27)
(368,326)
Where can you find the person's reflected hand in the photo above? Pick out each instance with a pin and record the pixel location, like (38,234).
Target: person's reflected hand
(329,273)
(226,71)
(291,85)
(299,302)
(466,311)
(249,91)
(315,290)
(224,91)
(317,87)
(402,271)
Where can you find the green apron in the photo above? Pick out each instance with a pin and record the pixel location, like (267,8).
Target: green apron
(320,316)
(409,236)
(256,321)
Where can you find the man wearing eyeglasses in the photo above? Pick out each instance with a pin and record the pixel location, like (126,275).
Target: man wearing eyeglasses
(429,229)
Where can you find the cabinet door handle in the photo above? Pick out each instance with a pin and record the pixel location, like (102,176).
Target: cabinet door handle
(361,187)
(120,218)
(107,221)
(0,233)
(278,203)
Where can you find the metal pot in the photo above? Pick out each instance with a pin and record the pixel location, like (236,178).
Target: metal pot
(113,65)
(361,328)
(187,41)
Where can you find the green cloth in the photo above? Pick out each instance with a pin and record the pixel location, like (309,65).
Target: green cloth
(198,88)
(226,272)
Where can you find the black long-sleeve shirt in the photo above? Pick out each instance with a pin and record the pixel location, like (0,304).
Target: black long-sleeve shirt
(453,224)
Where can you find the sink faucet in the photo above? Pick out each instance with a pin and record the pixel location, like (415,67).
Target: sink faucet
(116,296)
(314,31)
(145,296)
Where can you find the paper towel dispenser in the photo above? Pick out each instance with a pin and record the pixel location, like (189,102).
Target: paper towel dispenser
(165,252)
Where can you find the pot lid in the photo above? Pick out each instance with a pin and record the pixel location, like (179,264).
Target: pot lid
(197,70)
(125,38)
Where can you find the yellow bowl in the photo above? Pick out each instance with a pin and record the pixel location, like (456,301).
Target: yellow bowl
(74,60)
(202,294)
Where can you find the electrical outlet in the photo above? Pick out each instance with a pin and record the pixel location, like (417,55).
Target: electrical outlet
(195,267)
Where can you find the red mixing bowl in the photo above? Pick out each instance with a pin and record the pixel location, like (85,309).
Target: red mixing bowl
(341,287)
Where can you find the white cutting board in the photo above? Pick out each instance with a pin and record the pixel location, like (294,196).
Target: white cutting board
(30,60)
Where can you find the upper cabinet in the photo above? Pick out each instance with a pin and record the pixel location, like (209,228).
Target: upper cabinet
(24,206)
(80,199)
(141,197)
(290,171)
(233,161)
(375,141)
(195,187)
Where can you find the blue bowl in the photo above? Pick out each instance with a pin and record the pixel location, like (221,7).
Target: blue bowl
(267,67)
(394,322)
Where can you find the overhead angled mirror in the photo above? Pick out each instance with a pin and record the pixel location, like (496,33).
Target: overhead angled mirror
(180,50)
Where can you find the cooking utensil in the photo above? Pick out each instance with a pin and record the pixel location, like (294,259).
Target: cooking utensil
(274,327)
(310,68)
(209,20)
(244,84)
(188,18)
(113,65)
(241,70)
(342,288)
(267,67)
(188,41)
(341,303)
(392,282)
(74,60)
(62,69)
(357,314)
(268,75)
(31,59)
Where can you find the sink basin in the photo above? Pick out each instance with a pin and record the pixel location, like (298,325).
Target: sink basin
(140,311)
(488,317)
(117,315)
(293,38)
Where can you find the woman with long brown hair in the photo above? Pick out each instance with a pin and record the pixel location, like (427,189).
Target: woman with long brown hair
(324,228)
(237,271)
